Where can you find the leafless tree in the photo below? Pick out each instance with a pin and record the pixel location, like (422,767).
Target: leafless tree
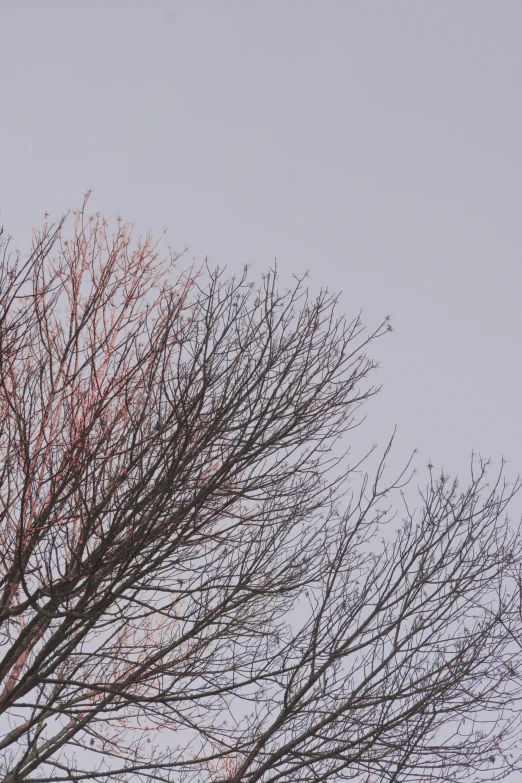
(193,585)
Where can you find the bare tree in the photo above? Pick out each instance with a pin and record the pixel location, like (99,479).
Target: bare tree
(192,581)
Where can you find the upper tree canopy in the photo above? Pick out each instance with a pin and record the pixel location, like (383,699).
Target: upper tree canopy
(192,581)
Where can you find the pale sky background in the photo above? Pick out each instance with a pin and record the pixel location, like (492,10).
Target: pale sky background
(377,144)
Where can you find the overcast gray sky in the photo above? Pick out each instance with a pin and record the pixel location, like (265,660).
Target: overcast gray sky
(377,144)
